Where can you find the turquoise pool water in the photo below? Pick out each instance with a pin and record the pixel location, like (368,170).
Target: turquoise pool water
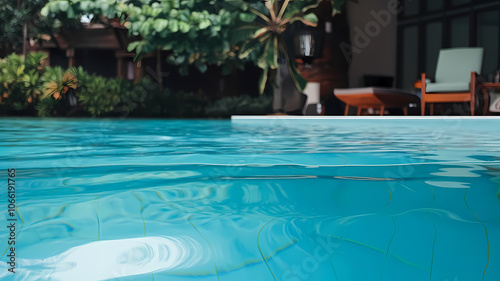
(252,199)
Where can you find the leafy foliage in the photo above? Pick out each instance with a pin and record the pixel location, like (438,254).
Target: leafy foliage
(202,32)
(62,9)
(103,96)
(169,103)
(46,107)
(15,16)
(267,40)
(21,80)
(228,106)
(58,82)
(26,84)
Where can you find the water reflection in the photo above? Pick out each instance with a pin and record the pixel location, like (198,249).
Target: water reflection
(103,260)
(212,200)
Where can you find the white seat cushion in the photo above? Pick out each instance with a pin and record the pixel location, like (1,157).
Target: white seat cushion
(371,90)
(448,87)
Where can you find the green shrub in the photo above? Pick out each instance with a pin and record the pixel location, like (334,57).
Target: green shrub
(28,87)
(109,96)
(20,82)
(166,102)
(46,107)
(228,106)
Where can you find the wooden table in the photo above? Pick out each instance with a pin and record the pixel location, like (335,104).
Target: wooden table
(485,87)
(374,97)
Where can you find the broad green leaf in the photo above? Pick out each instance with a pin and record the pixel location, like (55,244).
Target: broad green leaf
(54,7)
(272,53)
(247,17)
(173,25)
(184,27)
(133,45)
(145,28)
(160,24)
(86,5)
(179,59)
(156,11)
(45,11)
(71,12)
(174,13)
(136,25)
(20,70)
(63,6)
(204,24)
(184,17)
(311,17)
(263,80)
(262,62)
(104,6)
(297,79)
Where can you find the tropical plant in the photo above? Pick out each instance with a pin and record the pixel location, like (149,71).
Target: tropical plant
(28,84)
(20,21)
(21,80)
(45,107)
(202,32)
(265,36)
(75,9)
(58,82)
(108,96)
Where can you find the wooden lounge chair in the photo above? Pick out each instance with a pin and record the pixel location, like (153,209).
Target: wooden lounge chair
(455,78)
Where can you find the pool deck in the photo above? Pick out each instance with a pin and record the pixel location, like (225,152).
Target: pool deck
(298,117)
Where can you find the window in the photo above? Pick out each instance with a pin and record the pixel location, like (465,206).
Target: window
(434,43)
(411,8)
(455,3)
(434,5)
(459,32)
(427,26)
(410,55)
(488,33)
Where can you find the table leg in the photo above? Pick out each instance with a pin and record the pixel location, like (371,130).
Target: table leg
(382,109)
(359,110)
(405,110)
(346,112)
(432,109)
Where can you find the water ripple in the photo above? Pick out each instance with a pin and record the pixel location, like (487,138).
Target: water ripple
(104,260)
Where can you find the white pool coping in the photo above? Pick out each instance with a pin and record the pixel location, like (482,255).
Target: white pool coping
(290,117)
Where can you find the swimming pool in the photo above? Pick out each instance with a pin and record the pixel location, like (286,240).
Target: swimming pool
(270,199)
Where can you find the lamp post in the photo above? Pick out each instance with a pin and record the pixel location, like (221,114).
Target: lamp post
(308,44)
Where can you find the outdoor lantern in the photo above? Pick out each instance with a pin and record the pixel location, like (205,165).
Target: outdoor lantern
(308,43)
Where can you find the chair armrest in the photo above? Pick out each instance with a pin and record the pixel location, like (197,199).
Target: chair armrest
(426,79)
